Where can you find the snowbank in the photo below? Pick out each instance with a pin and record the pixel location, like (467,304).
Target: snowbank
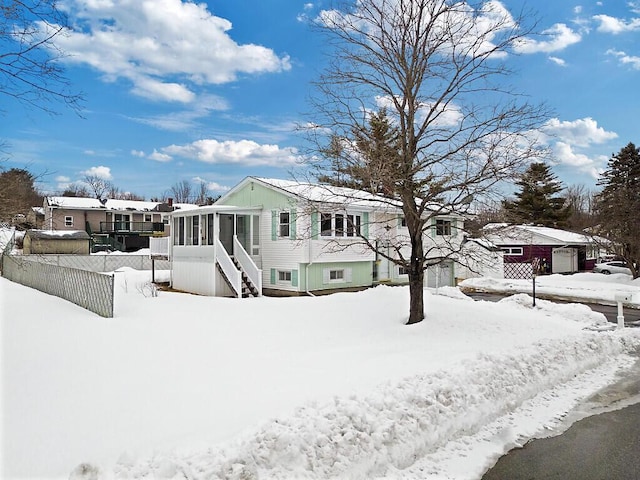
(594,287)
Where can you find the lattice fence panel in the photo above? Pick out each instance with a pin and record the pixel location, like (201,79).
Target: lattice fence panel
(518,270)
(90,290)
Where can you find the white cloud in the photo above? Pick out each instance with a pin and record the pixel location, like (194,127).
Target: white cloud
(242,152)
(571,143)
(442,116)
(100,172)
(558,61)
(186,119)
(159,157)
(625,59)
(138,153)
(614,25)
(634,7)
(212,186)
(582,132)
(62,178)
(559,36)
(565,154)
(166,48)
(216,187)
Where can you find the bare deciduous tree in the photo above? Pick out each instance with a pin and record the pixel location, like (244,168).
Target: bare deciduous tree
(438,68)
(181,191)
(30,70)
(99,186)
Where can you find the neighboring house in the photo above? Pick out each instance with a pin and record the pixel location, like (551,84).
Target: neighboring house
(287,237)
(114,224)
(51,242)
(552,249)
(35,217)
(481,258)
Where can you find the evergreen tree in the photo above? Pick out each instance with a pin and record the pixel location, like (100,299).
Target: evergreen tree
(376,150)
(538,202)
(18,193)
(618,205)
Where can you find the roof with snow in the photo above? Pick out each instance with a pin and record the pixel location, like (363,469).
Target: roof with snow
(59,234)
(83,203)
(504,234)
(323,193)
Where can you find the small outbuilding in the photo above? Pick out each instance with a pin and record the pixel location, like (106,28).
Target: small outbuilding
(76,242)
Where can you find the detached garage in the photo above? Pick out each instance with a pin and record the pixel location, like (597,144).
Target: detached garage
(75,242)
(551,249)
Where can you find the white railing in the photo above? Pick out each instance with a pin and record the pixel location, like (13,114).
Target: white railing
(159,247)
(247,264)
(228,268)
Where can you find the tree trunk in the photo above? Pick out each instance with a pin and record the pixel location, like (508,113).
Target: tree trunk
(416,295)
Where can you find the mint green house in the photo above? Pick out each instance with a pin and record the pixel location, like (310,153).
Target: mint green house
(286,237)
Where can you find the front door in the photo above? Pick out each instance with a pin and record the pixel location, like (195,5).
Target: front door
(226,232)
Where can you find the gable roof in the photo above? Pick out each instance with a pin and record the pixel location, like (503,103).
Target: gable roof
(503,234)
(323,193)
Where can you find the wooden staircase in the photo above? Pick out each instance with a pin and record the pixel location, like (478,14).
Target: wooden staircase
(248,288)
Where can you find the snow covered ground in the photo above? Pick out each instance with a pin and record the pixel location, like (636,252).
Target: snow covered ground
(183,386)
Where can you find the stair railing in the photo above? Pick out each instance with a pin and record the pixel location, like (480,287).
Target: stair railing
(247,265)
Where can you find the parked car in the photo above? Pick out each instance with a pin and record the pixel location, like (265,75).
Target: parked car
(612,267)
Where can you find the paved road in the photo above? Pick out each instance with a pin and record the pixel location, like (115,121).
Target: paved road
(631,315)
(604,446)
(601,447)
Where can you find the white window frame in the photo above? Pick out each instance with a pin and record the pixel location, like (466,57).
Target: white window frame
(402,271)
(514,251)
(332,275)
(286,224)
(148,217)
(68,220)
(341,225)
(281,277)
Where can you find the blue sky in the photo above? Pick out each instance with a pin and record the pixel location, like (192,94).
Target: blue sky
(211,92)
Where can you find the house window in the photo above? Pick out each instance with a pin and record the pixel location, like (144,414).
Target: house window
(284,226)
(284,276)
(443,227)
(340,225)
(403,270)
(178,231)
(210,229)
(195,230)
(512,250)
(403,222)
(336,275)
(325,224)
(147,217)
(68,221)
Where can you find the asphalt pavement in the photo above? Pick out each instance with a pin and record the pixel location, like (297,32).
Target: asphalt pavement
(602,446)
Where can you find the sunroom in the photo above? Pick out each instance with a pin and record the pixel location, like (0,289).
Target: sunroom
(215,250)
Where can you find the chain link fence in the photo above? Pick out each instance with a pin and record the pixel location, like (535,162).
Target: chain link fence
(90,290)
(101,263)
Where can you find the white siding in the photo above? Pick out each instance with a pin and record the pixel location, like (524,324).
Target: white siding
(194,269)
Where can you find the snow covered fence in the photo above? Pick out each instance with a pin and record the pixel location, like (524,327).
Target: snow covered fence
(101,263)
(90,290)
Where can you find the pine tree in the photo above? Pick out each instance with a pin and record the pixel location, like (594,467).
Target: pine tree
(538,202)
(377,150)
(618,205)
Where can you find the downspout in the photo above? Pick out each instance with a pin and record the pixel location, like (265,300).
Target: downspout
(306,271)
